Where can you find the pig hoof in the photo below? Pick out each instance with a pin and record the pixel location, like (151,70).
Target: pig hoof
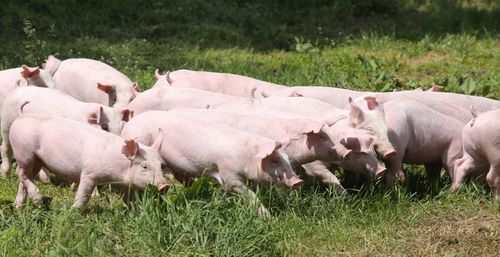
(264,213)
(454,188)
(44,178)
(18,204)
(76,206)
(95,193)
(3,172)
(37,203)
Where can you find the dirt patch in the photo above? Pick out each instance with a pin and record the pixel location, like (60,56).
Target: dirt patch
(457,233)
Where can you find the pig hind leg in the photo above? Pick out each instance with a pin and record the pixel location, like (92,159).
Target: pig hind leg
(493,179)
(466,165)
(25,173)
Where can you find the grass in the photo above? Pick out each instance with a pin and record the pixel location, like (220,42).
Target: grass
(378,45)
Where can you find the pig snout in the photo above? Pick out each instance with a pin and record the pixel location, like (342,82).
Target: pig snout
(380,171)
(346,155)
(292,181)
(163,187)
(387,152)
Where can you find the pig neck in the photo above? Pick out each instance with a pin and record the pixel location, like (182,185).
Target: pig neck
(298,150)
(341,127)
(116,170)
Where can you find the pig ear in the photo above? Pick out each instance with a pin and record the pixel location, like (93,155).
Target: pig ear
(351,143)
(130,149)
(295,94)
(285,140)
(157,73)
(96,117)
(267,149)
(159,139)
(108,89)
(136,87)
(28,72)
(333,120)
(372,103)
(435,88)
(356,115)
(126,114)
(313,127)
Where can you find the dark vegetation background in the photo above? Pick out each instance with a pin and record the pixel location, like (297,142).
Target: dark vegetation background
(377,45)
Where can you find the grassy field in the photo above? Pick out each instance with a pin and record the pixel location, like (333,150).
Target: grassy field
(379,45)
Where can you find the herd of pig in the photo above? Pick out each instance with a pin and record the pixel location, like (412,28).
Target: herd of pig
(87,123)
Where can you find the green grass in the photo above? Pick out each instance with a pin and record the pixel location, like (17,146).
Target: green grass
(379,45)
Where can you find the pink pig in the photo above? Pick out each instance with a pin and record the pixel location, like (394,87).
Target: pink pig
(223,83)
(167,98)
(481,147)
(337,97)
(193,147)
(11,78)
(371,121)
(55,102)
(480,104)
(79,153)
(91,81)
(421,136)
(303,140)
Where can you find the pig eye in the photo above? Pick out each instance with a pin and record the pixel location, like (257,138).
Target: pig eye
(275,163)
(144,166)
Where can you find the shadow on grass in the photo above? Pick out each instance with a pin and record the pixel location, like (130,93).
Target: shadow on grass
(261,25)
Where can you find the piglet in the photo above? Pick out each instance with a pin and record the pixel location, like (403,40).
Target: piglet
(481,151)
(224,83)
(337,97)
(79,153)
(91,81)
(303,140)
(421,136)
(23,76)
(193,147)
(57,103)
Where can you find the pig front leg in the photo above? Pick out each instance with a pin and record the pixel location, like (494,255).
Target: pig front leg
(84,192)
(6,156)
(238,187)
(394,171)
(320,170)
